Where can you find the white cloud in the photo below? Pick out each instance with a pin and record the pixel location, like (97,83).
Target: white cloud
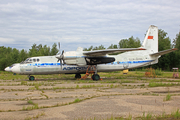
(6,41)
(84,23)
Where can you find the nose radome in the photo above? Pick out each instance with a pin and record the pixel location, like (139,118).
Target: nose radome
(7,69)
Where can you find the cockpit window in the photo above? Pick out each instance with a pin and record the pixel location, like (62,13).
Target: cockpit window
(27,59)
(30,60)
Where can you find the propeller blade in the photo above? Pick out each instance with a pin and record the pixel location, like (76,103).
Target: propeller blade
(60,56)
(59,45)
(61,63)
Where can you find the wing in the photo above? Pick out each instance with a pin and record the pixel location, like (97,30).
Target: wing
(163,52)
(109,51)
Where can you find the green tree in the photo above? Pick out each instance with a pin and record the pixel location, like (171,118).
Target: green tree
(15,55)
(176,44)
(54,49)
(101,47)
(176,41)
(46,51)
(129,43)
(22,55)
(40,50)
(164,43)
(7,56)
(113,46)
(33,51)
(88,49)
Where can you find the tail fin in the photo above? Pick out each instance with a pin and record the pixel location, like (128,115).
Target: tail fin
(151,40)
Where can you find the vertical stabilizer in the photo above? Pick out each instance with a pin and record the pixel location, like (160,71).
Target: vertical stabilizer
(151,40)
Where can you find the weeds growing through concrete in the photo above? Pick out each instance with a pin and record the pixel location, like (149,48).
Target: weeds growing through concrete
(167,98)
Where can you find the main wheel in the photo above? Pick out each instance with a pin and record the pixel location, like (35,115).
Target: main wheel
(31,78)
(96,77)
(77,76)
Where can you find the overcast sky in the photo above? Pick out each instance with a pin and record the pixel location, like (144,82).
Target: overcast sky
(83,23)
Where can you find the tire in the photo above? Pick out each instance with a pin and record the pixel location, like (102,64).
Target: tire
(96,77)
(77,76)
(32,78)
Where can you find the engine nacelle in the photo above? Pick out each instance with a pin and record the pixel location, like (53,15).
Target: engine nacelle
(76,61)
(82,61)
(77,58)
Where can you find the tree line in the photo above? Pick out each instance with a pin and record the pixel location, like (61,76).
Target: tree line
(9,56)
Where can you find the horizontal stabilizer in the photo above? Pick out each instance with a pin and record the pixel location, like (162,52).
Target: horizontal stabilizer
(163,52)
(109,51)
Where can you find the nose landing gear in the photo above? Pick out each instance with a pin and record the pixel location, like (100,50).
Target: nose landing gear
(31,78)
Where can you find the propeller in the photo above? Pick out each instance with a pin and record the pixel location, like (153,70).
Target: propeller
(60,57)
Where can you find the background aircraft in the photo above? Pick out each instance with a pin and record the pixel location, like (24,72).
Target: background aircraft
(77,62)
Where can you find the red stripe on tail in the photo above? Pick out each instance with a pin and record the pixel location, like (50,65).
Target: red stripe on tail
(150,37)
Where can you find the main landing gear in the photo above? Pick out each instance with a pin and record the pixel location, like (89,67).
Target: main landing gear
(93,71)
(78,76)
(31,78)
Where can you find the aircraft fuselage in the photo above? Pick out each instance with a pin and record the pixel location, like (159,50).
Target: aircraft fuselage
(49,64)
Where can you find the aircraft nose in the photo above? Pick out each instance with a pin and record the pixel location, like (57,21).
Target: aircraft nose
(7,69)
(16,69)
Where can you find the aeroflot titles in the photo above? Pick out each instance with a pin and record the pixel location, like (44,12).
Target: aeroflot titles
(74,68)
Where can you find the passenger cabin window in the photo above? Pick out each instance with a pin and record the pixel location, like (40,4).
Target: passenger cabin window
(37,60)
(34,60)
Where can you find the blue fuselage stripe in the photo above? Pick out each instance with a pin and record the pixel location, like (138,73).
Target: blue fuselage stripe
(115,63)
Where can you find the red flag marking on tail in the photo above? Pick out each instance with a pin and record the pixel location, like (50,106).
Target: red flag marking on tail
(150,37)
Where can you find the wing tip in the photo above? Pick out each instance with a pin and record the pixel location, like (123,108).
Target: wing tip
(142,49)
(174,49)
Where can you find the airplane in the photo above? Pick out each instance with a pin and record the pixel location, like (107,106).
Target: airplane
(78,62)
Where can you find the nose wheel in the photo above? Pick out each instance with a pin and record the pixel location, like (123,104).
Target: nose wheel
(31,78)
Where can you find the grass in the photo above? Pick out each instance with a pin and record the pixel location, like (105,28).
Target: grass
(35,106)
(107,83)
(176,114)
(30,102)
(45,95)
(37,86)
(76,100)
(149,116)
(161,84)
(113,75)
(159,72)
(78,87)
(23,82)
(167,98)
(35,117)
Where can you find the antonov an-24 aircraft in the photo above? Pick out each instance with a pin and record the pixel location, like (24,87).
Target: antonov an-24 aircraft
(77,62)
